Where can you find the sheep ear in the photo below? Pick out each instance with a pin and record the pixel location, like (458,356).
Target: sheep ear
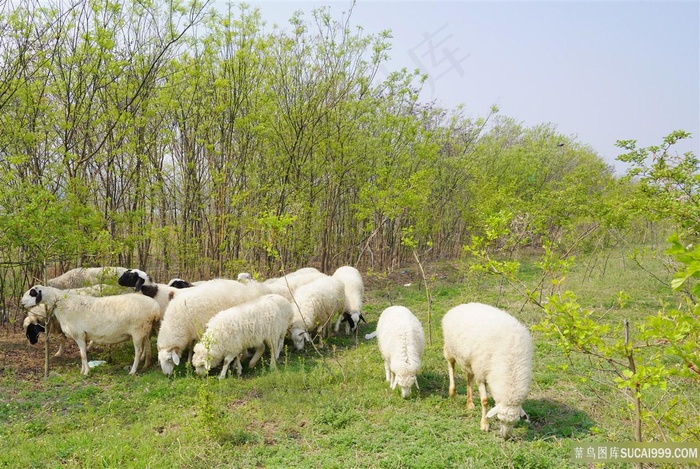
(524,416)
(139,284)
(394,381)
(176,358)
(362,318)
(492,413)
(307,337)
(347,317)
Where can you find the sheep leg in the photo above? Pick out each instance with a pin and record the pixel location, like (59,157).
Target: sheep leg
(84,368)
(470,401)
(146,354)
(484,403)
(337,323)
(224,368)
(61,341)
(451,373)
(273,353)
(256,356)
(280,346)
(387,370)
(138,352)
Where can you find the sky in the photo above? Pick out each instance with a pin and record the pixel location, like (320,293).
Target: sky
(600,71)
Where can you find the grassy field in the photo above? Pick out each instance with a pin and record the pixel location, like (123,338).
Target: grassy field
(329,408)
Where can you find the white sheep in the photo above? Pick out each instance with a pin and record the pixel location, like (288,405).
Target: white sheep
(401,342)
(354,293)
(255,324)
(104,320)
(314,305)
(35,322)
(142,283)
(495,349)
(85,276)
(287,284)
(187,314)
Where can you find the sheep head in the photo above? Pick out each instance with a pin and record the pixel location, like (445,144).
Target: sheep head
(179,283)
(32,297)
(169,359)
(353,319)
(508,416)
(134,278)
(33,331)
(299,336)
(406,383)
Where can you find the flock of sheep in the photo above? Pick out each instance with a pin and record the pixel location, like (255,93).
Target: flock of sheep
(221,322)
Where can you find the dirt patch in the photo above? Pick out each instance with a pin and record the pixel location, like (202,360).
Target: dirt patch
(25,361)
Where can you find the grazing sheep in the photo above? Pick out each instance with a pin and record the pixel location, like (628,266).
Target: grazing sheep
(35,322)
(187,315)
(401,342)
(82,277)
(143,283)
(314,305)
(495,349)
(260,322)
(104,320)
(286,285)
(354,292)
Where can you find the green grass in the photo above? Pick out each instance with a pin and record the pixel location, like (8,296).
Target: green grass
(327,409)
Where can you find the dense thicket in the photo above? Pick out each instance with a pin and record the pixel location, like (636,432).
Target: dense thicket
(194,142)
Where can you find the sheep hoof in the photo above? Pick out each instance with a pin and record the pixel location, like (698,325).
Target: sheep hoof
(470,404)
(484,425)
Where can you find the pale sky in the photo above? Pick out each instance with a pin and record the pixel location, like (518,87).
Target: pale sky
(599,70)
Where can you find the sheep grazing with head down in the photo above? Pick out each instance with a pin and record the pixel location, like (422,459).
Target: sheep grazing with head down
(401,342)
(104,320)
(85,276)
(496,350)
(188,313)
(314,305)
(255,324)
(354,293)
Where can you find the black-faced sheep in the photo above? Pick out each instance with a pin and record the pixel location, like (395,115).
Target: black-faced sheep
(142,283)
(35,322)
(103,320)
